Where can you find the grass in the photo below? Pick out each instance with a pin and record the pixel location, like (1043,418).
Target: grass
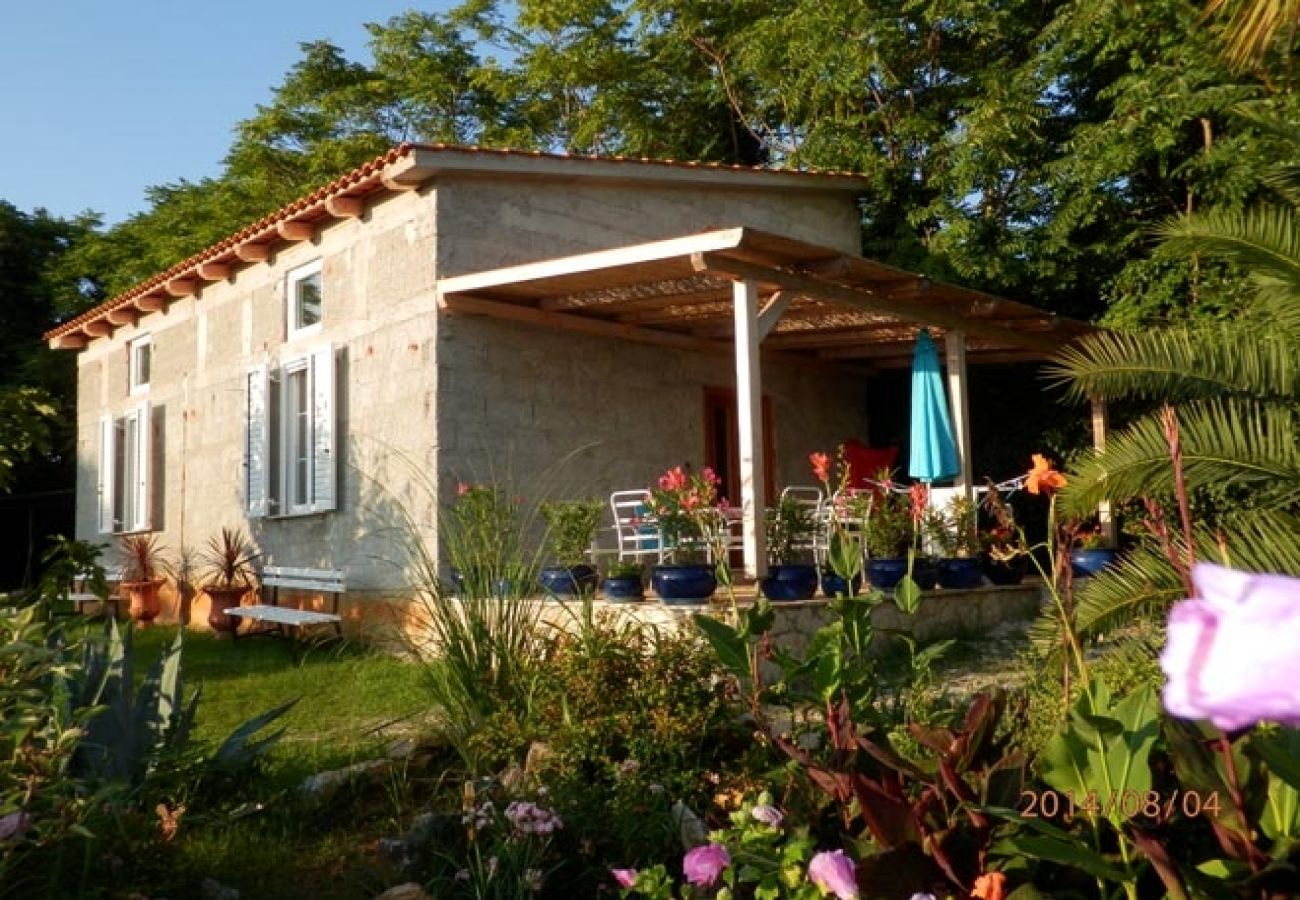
(352,704)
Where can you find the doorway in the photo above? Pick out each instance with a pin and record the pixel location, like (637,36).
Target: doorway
(722,449)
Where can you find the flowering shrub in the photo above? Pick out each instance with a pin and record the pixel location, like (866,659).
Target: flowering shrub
(756,856)
(686,508)
(506,854)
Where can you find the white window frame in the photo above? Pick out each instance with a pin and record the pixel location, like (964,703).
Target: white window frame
(295,277)
(276,483)
(143,342)
(125,471)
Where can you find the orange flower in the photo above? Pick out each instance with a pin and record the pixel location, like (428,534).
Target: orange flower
(821,466)
(1042,478)
(990,885)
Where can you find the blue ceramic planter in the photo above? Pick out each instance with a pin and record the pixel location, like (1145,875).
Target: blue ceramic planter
(925,573)
(886,572)
(835,586)
(686,584)
(790,582)
(500,588)
(1090,562)
(1011,572)
(567,581)
(624,589)
(960,573)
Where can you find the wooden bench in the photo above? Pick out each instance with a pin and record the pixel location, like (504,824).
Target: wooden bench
(280,619)
(80,597)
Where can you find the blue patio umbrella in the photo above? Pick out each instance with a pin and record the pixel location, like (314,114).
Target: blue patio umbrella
(933,454)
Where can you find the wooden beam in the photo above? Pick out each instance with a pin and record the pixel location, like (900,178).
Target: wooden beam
(71,341)
(295,231)
(586,303)
(772,311)
(97,329)
(700,312)
(150,303)
(954,347)
(717,263)
(123,315)
(463,303)
(249,252)
(181,287)
(345,207)
(214,271)
(749,425)
(1100,426)
(853,335)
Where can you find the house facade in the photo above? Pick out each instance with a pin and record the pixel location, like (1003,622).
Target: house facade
(301,379)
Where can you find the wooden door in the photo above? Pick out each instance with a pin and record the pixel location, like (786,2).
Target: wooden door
(722,449)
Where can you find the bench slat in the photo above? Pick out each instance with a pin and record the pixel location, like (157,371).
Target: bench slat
(332,581)
(283,615)
(325,587)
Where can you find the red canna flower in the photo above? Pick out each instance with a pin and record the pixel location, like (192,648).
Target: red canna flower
(821,466)
(1042,478)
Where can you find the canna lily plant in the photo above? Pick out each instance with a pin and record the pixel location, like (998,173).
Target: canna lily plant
(690,516)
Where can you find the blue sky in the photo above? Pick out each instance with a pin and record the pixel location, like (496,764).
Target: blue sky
(101,98)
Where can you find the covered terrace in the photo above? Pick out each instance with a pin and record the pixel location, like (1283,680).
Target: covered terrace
(755,295)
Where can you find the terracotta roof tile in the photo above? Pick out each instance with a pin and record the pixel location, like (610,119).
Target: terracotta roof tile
(363,180)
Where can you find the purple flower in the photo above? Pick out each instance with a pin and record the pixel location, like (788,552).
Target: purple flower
(704,864)
(1233,652)
(768,815)
(924,897)
(626,878)
(834,873)
(13,825)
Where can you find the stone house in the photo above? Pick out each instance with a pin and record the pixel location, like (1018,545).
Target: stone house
(324,376)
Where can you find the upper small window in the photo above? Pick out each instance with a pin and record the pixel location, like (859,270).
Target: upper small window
(304,299)
(139,362)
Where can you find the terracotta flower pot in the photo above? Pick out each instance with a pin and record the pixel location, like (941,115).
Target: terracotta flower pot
(144,603)
(219,600)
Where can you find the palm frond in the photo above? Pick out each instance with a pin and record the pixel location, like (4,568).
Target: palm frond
(1263,241)
(1179,364)
(1257,540)
(1224,442)
(1250,26)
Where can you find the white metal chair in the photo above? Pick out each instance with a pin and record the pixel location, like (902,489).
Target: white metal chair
(637,535)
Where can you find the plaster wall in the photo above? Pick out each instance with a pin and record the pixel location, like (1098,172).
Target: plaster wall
(378,315)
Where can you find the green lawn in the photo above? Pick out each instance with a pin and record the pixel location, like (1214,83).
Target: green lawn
(353,703)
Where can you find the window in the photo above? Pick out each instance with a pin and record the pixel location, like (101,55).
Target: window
(304,299)
(124,472)
(139,360)
(289,458)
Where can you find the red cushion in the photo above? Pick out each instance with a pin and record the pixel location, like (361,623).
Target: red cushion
(866,463)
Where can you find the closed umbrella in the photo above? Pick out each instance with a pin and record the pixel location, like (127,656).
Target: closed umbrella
(933,454)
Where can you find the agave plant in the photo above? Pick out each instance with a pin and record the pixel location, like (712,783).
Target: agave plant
(228,560)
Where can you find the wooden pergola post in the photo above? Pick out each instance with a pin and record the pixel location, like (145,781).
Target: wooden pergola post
(1100,425)
(749,423)
(954,345)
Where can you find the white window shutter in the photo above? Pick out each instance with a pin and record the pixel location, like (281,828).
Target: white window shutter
(324,461)
(257,444)
(143,481)
(107,444)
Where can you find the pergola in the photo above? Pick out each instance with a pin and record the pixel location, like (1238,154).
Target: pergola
(755,295)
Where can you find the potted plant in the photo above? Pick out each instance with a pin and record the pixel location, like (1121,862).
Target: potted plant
(955,532)
(571,528)
(1090,553)
(841,575)
(624,581)
(1004,556)
(226,567)
(888,533)
(483,529)
(685,507)
(144,569)
(791,575)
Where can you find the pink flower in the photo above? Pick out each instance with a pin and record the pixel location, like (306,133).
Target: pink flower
(711,476)
(834,873)
(768,815)
(12,825)
(626,878)
(462,488)
(674,479)
(1233,652)
(703,865)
